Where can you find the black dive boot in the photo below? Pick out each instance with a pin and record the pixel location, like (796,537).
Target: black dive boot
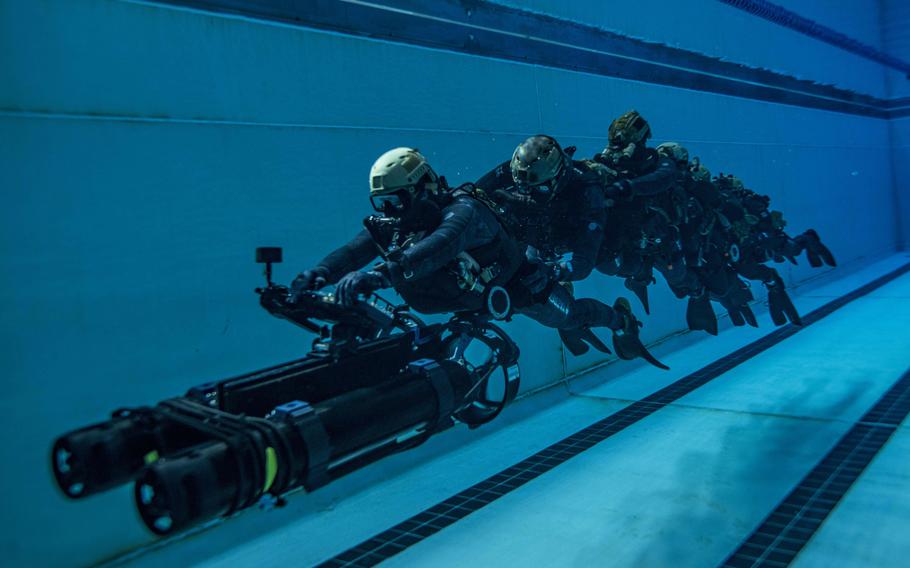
(779,303)
(816,252)
(700,315)
(625,336)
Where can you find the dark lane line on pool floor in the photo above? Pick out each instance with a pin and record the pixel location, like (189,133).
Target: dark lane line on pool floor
(781,536)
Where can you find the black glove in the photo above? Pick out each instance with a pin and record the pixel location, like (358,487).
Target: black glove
(617,189)
(561,271)
(355,283)
(307,280)
(537,280)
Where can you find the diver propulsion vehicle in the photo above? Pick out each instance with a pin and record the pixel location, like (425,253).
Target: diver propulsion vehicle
(377,381)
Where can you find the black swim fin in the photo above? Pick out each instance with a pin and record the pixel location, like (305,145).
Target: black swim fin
(700,315)
(626,341)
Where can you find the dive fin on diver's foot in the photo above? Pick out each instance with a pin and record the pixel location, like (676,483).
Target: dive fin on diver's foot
(825,254)
(816,251)
(814,260)
(630,347)
(790,310)
(781,307)
(571,338)
(579,341)
(736,316)
(591,339)
(776,311)
(640,289)
(626,341)
(700,315)
(749,315)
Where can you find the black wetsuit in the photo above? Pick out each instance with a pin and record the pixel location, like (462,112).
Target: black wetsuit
(570,223)
(420,252)
(651,207)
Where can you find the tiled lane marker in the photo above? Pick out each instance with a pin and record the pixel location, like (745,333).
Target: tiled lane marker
(784,533)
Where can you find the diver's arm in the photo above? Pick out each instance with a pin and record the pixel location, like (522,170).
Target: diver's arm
(652,183)
(354,255)
(499,177)
(588,239)
(465,224)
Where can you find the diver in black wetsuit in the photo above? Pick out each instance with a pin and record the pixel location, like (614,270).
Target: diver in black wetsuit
(556,206)
(445,251)
(552,203)
(754,236)
(700,235)
(442,249)
(731,230)
(648,199)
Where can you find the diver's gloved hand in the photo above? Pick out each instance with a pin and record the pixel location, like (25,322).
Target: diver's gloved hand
(560,270)
(353,284)
(537,280)
(307,280)
(618,189)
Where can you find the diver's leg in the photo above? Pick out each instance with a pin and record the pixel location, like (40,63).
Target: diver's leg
(560,310)
(779,303)
(734,295)
(684,281)
(639,274)
(635,269)
(816,251)
(575,318)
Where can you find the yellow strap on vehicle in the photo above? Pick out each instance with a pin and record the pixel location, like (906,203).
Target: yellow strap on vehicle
(271,468)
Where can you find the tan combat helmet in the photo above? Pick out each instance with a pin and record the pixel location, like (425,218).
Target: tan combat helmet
(539,161)
(629,128)
(399,170)
(675,152)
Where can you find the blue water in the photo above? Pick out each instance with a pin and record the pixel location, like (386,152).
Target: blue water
(146,148)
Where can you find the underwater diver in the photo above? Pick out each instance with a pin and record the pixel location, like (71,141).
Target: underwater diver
(552,203)
(441,248)
(444,250)
(648,199)
(755,236)
(732,228)
(766,227)
(556,206)
(700,239)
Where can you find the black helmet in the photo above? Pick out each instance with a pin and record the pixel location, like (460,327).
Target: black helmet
(539,162)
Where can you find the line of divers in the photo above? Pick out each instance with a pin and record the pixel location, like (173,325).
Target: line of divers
(543,220)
